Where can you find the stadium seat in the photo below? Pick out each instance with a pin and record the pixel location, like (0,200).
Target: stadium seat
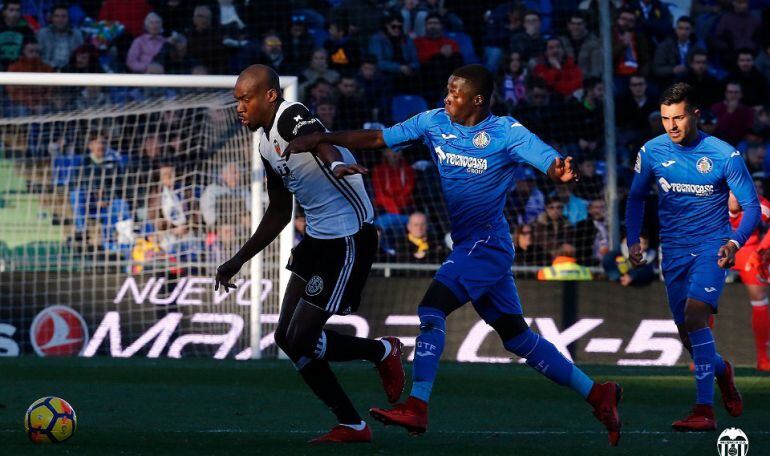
(63,168)
(466,46)
(403,107)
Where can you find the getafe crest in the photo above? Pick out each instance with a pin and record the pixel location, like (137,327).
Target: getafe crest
(481,140)
(704,165)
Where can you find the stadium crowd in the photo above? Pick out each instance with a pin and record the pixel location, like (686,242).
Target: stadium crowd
(369,63)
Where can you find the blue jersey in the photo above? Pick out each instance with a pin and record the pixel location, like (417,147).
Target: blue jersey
(693,186)
(476,164)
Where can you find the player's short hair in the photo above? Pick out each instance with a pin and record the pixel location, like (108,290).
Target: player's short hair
(687,19)
(680,92)
(480,79)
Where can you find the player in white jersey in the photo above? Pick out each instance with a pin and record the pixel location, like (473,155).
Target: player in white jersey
(330,265)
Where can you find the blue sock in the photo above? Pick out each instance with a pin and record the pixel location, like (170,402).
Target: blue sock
(719,365)
(704,355)
(427,352)
(542,356)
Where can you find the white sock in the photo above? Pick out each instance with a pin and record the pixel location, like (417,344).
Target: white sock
(356,427)
(388,348)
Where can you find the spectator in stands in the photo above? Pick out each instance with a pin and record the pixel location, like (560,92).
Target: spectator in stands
(205,42)
(762,62)
(584,46)
(654,19)
(167,213)
(590,118)
(220,244)
(735,30)
(374,87)
(84,59)
(529,41)
(319,69)
(232,23)
(353,108)
(14,32)
(272,54)
(450,20)
(705,85)
(707,122)
(59,39)
(174,55)
(558,69)
(315,93)
(634,109)
(592,239)
(512,82)
(630,48)
(497,33)
(438,56)
(176,16)
(326,111)
(229,187)
(753,84)
(130,13)
(536,111)
(393,181)
(527,252)
(618,268)
(344,53)
(552,228)
(414,15)
(395,54)
(418,246)
(525,202)
(755,155)
(564,266)
(91,97)
(298,45)
(26,100)
(734,119)
(575,207)
(146,47)
(673,53)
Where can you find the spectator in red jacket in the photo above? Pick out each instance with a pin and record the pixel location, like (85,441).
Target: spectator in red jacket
(558,70)
(438,56)
(29,99)
(734,119)
(393,182)
(130,13)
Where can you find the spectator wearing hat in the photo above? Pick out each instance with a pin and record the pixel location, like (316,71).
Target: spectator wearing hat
(272,54)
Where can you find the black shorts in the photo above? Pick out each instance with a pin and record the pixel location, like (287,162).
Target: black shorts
(335,270)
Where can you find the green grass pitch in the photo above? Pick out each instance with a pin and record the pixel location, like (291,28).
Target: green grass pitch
(196,406)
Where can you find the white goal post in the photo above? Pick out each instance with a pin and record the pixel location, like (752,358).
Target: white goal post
(289,84)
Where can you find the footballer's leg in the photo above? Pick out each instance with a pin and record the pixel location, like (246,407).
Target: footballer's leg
(748,264)
(501,308)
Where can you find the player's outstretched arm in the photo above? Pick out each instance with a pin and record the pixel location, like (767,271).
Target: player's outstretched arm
(352,139)
(332,157)
(563,170)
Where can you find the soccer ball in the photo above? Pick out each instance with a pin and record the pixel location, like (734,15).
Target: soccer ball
(50,420)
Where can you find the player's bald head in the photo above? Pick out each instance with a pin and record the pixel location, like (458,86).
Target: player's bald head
(259,78)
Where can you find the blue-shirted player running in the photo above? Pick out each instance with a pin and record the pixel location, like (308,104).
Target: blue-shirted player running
(695,173)
(476,154)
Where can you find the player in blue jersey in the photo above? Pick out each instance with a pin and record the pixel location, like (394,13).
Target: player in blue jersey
(476,154)
(695,173)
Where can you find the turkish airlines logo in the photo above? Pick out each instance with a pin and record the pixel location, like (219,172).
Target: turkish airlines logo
(58,331)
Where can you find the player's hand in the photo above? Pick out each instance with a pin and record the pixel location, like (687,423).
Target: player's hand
(346,169)
(304,143)
(565,170)
(636,255)
(225,274)
(727,255)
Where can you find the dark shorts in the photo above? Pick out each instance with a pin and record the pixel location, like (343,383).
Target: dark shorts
(335,270)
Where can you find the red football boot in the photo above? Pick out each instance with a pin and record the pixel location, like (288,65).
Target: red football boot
(731,397)
(411,415)
(345,434)
(391,370)
(605,397)
(699,420)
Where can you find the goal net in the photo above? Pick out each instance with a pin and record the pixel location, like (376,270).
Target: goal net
(117,203)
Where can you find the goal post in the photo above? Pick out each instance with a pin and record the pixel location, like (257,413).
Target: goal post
(196,93)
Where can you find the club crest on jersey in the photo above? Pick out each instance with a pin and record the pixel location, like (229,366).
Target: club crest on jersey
(277,147)
(314,286)
(481,140)
(704,165)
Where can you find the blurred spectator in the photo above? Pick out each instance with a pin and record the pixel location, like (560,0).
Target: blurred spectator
(584,46)
(564,266)
(672,55)
(344,53)
(512,84)
(536,111)
(59,39)
(497,33)
(166,211)
(221,243)
(326,111)
(736,29)
(414,16)
(299,44)
(130,13)
(654,18)
(361,15)
(753,84)
(525,202)
(319,69)
(559,70)
(176,15)
(734,119)
(272,54)
(300,224)
(146,47)
(231,23)
(84,59)
(552,228)
(707,122)
(618,268)
(755,157)
(317,92)
(395,54)
(590,118)
(374,87)
(418,245)
(174,55)
(14,32)
(630,51)
(590,186)
(229,187)
(205,42)
(529,41)
(393,182)
(450,20)
(762,62)
(527,253)
(575,207)
(706,86)
(28,100)
(353,108)
(634,109)
(91,97)
(438,56)
(592,235)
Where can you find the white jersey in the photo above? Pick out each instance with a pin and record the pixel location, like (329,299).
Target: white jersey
(333,207)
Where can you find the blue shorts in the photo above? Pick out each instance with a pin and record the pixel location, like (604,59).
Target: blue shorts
(480,271)
(693,274)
